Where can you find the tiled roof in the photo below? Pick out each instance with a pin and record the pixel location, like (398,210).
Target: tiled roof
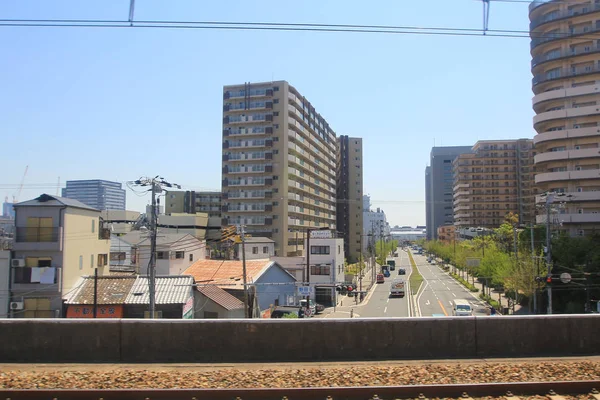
(48,201)
(221,297)
(111,290)
(227,274)
(175,289)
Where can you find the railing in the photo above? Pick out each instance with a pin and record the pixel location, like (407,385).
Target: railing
(549,37)
(557,55)
(565,73)
(590,8)
(34,235)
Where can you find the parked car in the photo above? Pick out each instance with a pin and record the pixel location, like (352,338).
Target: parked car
(313,306)
(320,308)
(283,311)
(380,278)
(401,271)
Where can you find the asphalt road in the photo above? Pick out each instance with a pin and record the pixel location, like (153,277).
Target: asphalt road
(379,303)
(438,291)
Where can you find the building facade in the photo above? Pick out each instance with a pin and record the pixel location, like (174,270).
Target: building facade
(96,193)
(375,227)
(495,179)
(192,202)
(279,163)
(349,211)
(441,182)
(566,69)
(428,202)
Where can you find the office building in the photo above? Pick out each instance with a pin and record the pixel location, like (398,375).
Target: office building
(96,193)
(428,202)
(279,164)
(493,180)
(349,194)
(566,69)
(441,182)
(192,202)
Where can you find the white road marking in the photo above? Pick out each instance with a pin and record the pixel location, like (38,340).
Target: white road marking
(385,310)
(388,300)
(450,302)
(453,295)
(427,303)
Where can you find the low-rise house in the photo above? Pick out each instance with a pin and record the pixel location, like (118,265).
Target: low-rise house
(175,252)
(269,284)
(257,248)
(57,241)
(214,302)
(123,255)
(128,297)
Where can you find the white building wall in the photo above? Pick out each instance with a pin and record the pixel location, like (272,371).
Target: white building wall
(4,279)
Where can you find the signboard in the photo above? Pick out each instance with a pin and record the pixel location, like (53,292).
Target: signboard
(188,308)
(306,291)
(320,234)
(473,262)
(87,311)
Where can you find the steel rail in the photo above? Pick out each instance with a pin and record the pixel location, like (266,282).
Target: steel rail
(323,393)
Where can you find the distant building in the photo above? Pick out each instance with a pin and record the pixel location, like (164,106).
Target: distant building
(410,235)
(349,215)
(191,202)
(120,222)
(440,178)
(446,233)
(375,227)
(428,203)
(96,193)
(7,209)
(256,248)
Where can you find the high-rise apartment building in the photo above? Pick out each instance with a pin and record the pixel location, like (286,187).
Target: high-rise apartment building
(428,202)
(493,180)
(566,68)
(279,164)
(349,194)
(96,193)
(441,182)
(191,202)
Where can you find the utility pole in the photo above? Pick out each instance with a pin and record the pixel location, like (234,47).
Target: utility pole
(308,267)
(156,186)
(549,200)
(243,238)
(95,292)
(533,265)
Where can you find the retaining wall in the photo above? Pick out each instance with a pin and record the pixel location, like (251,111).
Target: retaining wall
(202,341)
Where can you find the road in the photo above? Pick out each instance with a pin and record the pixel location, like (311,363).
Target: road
(378,302)
(438,291)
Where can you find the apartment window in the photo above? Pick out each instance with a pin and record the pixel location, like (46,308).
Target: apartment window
(80,262)
(339,249)
(255,250)
(319,249)
(39,229)
(179,254)
(162,255)
(93,226)
(191,257)
(265,249)
(91,261)
(102,260)
(320,269)
(275,101)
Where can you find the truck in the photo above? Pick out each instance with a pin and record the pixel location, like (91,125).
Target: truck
(397,287)
(391,263)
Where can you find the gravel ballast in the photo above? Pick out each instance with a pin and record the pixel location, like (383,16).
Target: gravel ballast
(364,374)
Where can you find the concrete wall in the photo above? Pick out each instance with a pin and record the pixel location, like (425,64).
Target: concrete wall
(145,341)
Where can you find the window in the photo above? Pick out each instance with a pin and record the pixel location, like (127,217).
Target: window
(265,249)
(80,262)
(319,249)
(339,249)
(91,261)
(179,254)
(162,255)
(275,101)
(255,250)
(118,256)
(39,229)
(102,260)
(320,269)
(191,257)
(93,226)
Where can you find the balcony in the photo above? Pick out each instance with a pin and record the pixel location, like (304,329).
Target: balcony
(567,155)
(572,197)
(564,73)
(566,134)
(42,239)
(549,37)
(566,113)
(542,58)
(574,218)
(543,19)
(567,175)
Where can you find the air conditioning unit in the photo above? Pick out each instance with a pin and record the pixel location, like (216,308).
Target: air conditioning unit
(16,305)
(17,262)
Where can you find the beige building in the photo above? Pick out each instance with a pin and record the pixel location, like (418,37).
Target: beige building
(57,241)
(493,180)
(566,69)
(191,202)
(349,194)
(120,222)
(279,163)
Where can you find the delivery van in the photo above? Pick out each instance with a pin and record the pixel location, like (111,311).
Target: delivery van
(462,308)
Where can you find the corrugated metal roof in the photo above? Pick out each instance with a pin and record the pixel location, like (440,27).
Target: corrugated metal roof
(175,289)
(221,297)
(48,201)
(111,290)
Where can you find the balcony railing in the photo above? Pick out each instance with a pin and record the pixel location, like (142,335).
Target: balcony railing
(549,37)
(589,8)
(557,55)
(34,235)
(565,73)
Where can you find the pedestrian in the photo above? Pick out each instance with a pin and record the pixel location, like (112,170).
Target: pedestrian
(493,311)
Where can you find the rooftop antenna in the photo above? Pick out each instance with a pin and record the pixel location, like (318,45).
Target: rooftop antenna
(486,15)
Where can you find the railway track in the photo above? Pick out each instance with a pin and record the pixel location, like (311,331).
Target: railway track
(507,391)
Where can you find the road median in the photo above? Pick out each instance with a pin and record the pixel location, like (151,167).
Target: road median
(416,279)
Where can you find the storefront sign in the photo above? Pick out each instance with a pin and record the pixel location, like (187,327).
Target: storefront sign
(87,311)
(320,234)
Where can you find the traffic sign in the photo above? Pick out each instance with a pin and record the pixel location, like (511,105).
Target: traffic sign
(565,277)
(304,290)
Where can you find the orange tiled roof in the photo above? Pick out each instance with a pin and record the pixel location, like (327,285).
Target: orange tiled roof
(226,273)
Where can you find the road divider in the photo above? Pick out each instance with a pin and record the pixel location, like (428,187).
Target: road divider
(416,279)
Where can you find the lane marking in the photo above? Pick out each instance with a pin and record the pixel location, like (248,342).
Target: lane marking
(450,302)
(388,300)
(385,310)
(453,295)
(443,309)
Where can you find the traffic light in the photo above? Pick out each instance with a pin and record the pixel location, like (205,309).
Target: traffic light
(549,279)
(338,288)
(349,288)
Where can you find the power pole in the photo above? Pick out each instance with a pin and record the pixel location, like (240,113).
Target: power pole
(549,200)
(533,265)
(243,238)
(308,267)
(156,186)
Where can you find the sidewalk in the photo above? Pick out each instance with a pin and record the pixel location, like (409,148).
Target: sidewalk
(498,296)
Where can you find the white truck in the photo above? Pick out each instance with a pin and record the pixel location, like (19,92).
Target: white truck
(397,287)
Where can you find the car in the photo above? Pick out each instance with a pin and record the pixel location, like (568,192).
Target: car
(401,271)
(433,262)
(313,307)
(386,273)
(380,278)
(285,311)
(320,308)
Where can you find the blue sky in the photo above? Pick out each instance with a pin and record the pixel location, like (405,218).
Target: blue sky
(118,104)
